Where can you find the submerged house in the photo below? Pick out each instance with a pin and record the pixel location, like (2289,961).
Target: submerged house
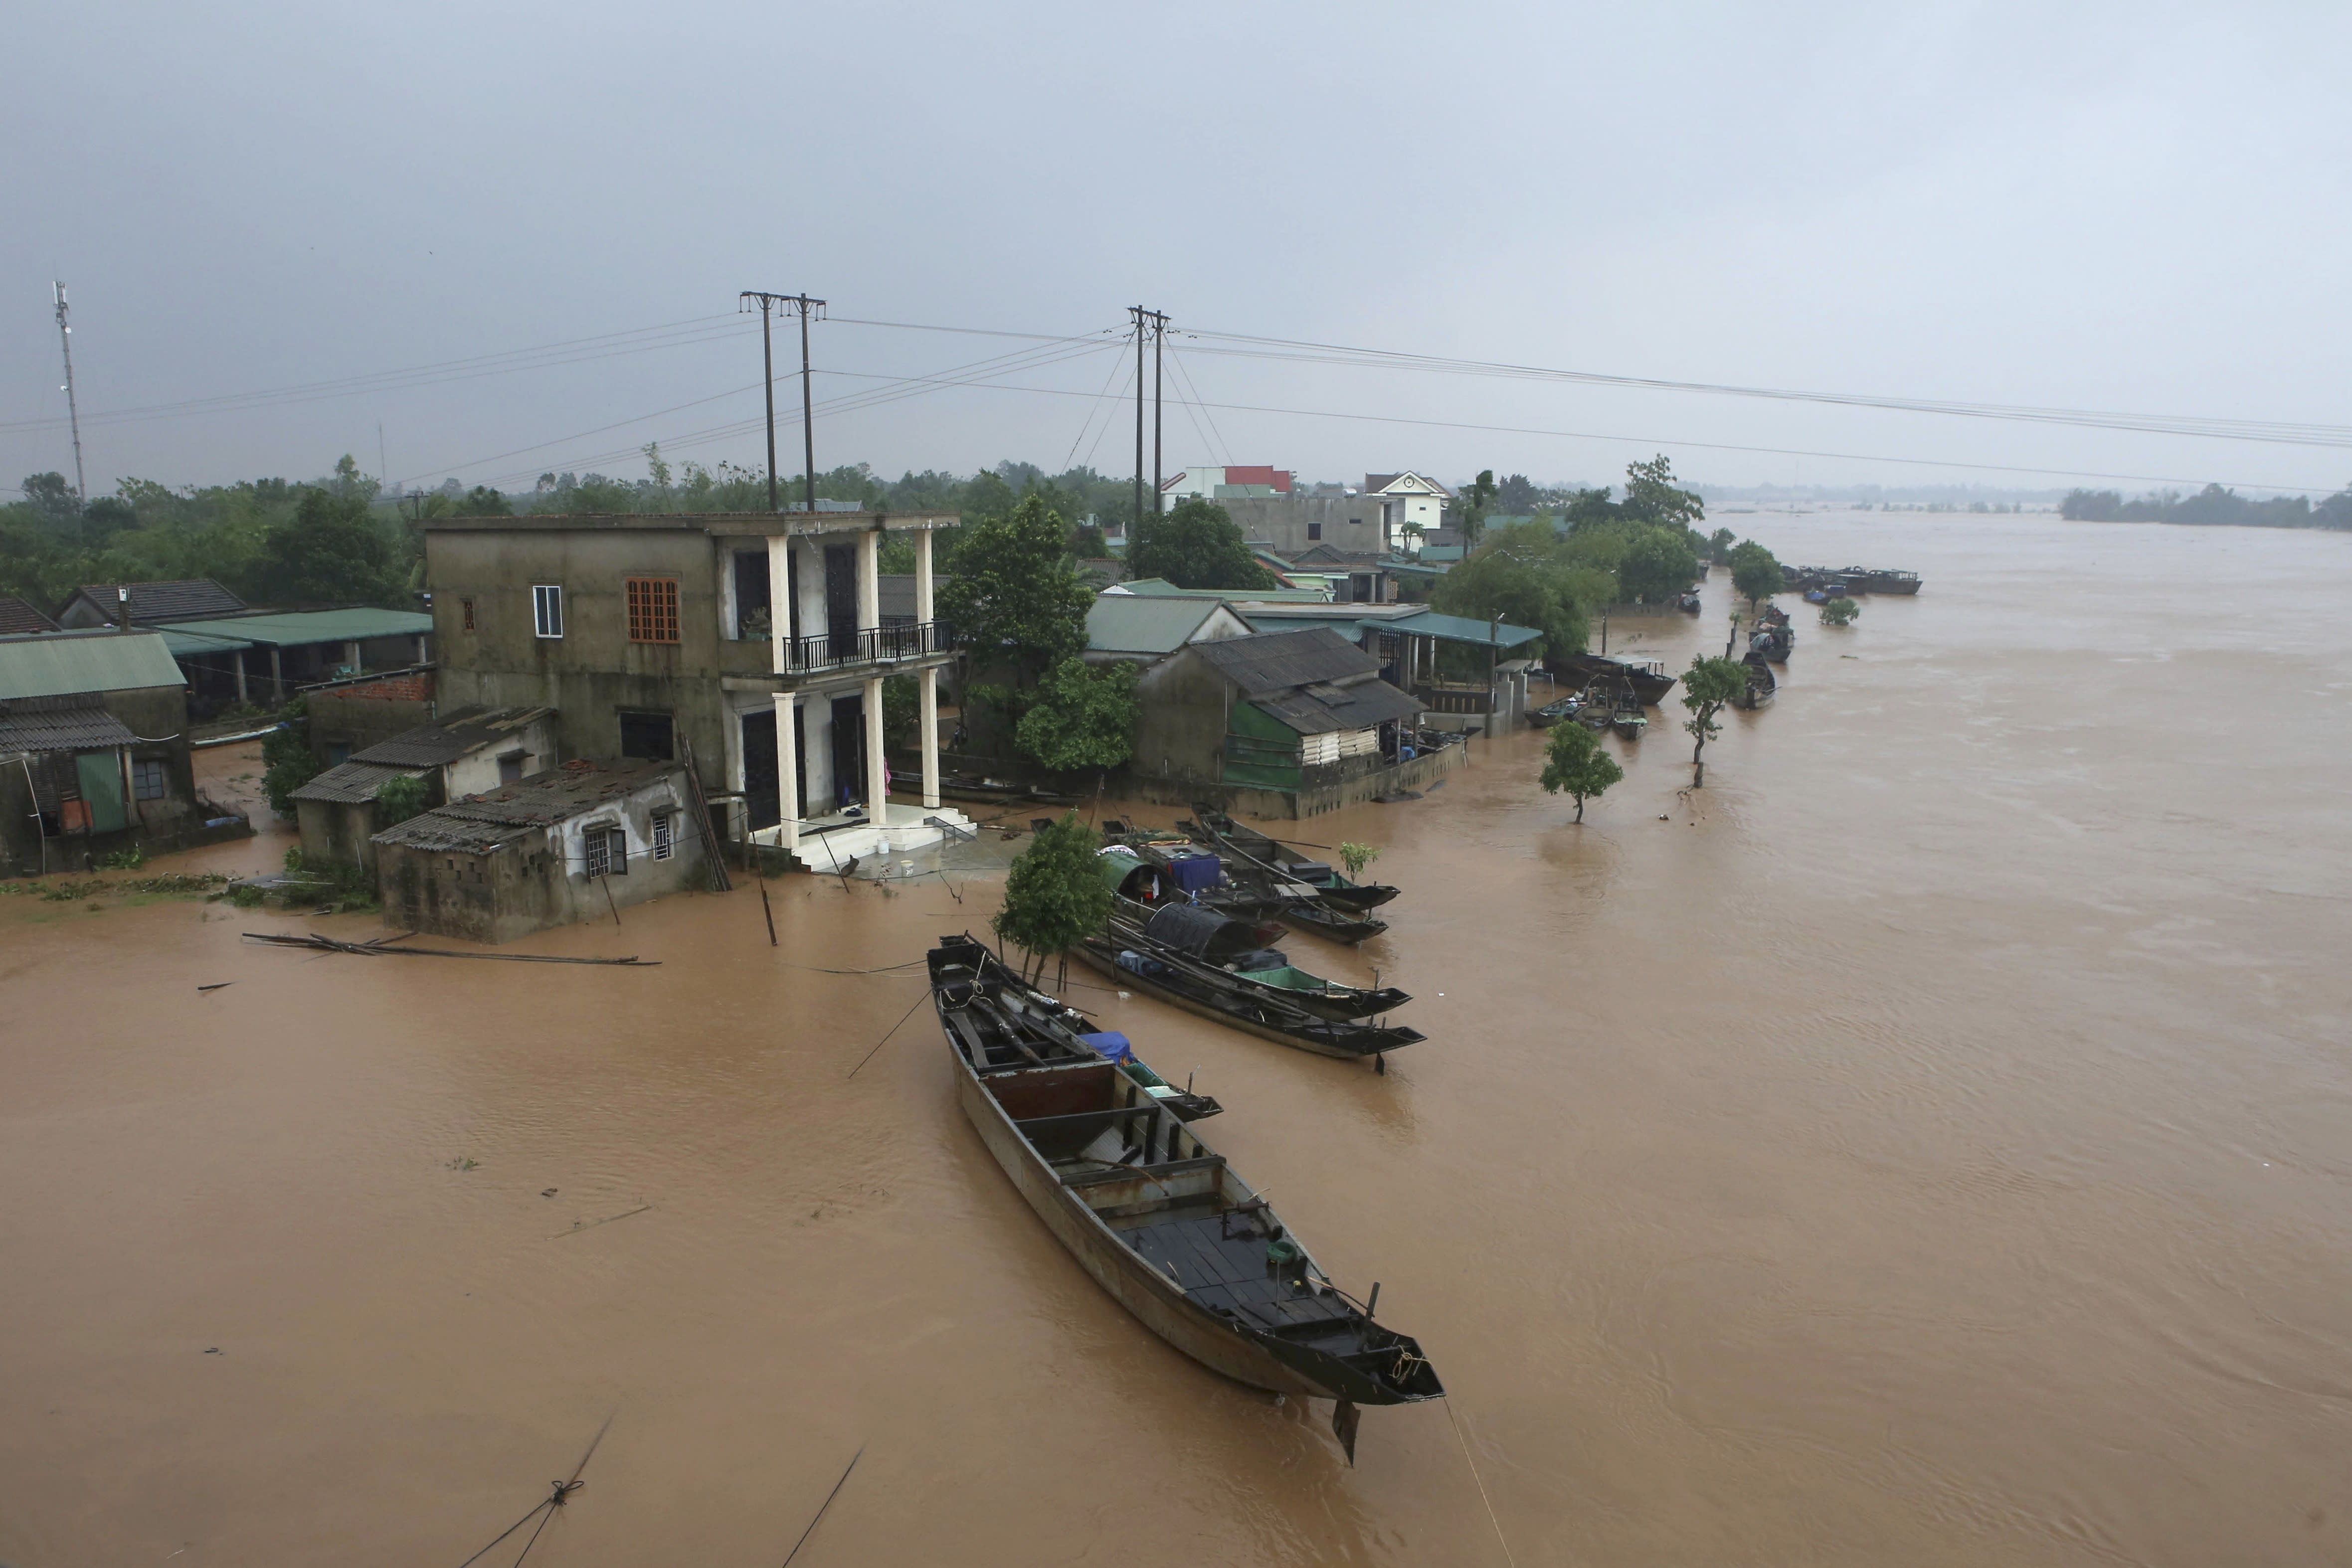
(472,750)
(1281,724)
(94,751)
(574,843)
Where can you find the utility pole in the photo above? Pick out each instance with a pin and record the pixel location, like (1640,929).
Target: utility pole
(1136,313)
(804,304)
(1158,337)
(767,378)
(73,414)
(1151,324)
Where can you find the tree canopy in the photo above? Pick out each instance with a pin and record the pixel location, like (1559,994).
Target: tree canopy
(1658,564)
(1575,765)
(1055,895)
(1082,717)
(1527,576)
(1652,495)
(1194,544)
(329,550)
(1708,685)
(1755,572)
(1013,595)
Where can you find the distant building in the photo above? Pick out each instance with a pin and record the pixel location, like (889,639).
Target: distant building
(1378,520)
(1225,484)
(472,750)
(148,603)
(569,843)
(18,619)
(262,656)
(94,751)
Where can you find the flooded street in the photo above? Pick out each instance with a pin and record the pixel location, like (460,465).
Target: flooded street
(1929,1143)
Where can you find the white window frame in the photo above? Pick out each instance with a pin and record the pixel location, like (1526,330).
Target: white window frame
(547,609)
(598,852)
(665,835)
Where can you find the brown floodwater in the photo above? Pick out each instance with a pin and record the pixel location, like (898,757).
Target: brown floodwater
(1929,1143)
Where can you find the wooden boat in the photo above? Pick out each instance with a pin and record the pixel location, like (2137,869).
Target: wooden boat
(1628,719)
(1214,828)
(1330,923)
(1761,685)
(1156,1215)
(999,792)
(1774,639)
(1128,954)
(1182,869)
(1688,603)
(1649,678)
(1552,713)
(1879,580)
(1246,954)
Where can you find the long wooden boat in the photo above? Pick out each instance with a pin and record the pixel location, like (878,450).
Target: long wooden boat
(1244,953)
(1649,679)
(1245,890)
(1761,685)
(1214,828)
(1124,953)
(1879,580)
(1155,1214)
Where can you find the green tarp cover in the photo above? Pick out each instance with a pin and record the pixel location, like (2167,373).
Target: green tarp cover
(102,786)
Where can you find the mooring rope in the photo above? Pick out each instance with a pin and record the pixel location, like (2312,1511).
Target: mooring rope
(1466,1459)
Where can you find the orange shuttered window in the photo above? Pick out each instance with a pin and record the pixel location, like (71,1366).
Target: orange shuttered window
(653,609)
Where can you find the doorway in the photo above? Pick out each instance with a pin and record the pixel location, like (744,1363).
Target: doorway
(848,751)
(762,801)
(841,599)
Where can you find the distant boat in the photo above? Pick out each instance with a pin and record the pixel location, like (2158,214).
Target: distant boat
(1154,1215)
(1627,718)
(1552,713)
(1219,831)
(1761,685)
(1648,678)
(1879,580)
(1689,602)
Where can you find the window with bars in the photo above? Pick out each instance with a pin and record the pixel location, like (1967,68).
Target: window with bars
(653,609)
(663,843)
(547,609)
(468,605)
(606,851)
(147,781)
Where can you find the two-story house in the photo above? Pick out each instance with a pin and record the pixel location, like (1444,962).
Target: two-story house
(758,639)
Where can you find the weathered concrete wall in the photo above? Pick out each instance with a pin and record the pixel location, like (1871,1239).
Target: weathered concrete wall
(337,830)
(1329,796)
(1350,523)
(1180,732)
(357,716)
(474,774)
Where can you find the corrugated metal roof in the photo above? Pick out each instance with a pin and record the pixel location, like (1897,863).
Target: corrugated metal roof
(1320,710)
(1125,623)
(445,739)
(1461,629)
(1275,660)
(52,724)
(350,783)
(476,824)
(1160,588)
(295,627)
(17,617)
(60,663)
(183,600)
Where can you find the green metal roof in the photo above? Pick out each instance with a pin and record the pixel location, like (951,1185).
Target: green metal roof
(295,628)
(1274,620)
(1160,588)
(1461,629)
(56,665)
(1130,624)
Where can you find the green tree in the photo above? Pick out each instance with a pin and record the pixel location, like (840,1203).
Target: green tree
(1055,895)
(397,798)
(329,550)
(1195,544)
(1013,595)
(1476,498)
(1708,686)
(1525,576)
(1575,765)
(1652,495)
(1719,545)
(1756,574)
(1840,612)
(287,763)
(481,501)
(1082,717)
(1658,563)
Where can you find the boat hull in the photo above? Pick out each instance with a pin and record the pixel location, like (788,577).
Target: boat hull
(1152,1298)
(1649,687)
(1096,959)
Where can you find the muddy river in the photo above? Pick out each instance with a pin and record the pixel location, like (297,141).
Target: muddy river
(1929,1143)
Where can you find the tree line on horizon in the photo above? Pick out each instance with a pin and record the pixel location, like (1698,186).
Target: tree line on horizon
(2213,505)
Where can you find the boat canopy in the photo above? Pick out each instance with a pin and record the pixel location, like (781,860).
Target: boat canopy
(1117,865)
(1189,928)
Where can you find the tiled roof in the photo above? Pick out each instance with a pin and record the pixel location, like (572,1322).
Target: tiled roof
(189,599)
(458,735)
(15,616)
(476,824)
(1274,661)
(352,782)
(76,722)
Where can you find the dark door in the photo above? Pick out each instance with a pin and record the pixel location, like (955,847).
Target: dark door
(762,802)
(752,606)
(647,737)
(841,598)
(848,751)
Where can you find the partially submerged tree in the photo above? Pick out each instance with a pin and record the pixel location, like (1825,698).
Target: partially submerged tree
(1056,894)
(1756,574)
(1195,544)
(285,761)
(1710,685)
(1082,717)
(1013,596)
(1719,545)
(1575,765)
(1355,856)
(1840,611)
(1656,566)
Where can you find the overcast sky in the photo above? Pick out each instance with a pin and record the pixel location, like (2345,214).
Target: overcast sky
(2131,206)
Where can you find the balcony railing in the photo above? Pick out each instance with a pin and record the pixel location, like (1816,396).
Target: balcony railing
(870,645)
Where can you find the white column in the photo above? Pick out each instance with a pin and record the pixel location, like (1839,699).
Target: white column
(241,699)
(923,575)
(931,728)
(351,651)
(869,585)
(420,648)
(788,766)
(878,795)
(780,602)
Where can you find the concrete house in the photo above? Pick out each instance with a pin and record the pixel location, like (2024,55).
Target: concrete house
(569,843)
(755,639)
(473,750)
(1408,504)
(94,751)
(1283,723)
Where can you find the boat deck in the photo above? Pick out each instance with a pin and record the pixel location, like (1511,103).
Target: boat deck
(1223,1267)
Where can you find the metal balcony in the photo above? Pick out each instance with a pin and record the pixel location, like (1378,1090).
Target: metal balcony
(849,649)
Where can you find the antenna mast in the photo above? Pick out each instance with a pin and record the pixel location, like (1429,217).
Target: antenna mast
(73,414)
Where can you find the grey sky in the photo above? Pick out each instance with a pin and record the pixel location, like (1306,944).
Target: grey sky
(2131,206)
